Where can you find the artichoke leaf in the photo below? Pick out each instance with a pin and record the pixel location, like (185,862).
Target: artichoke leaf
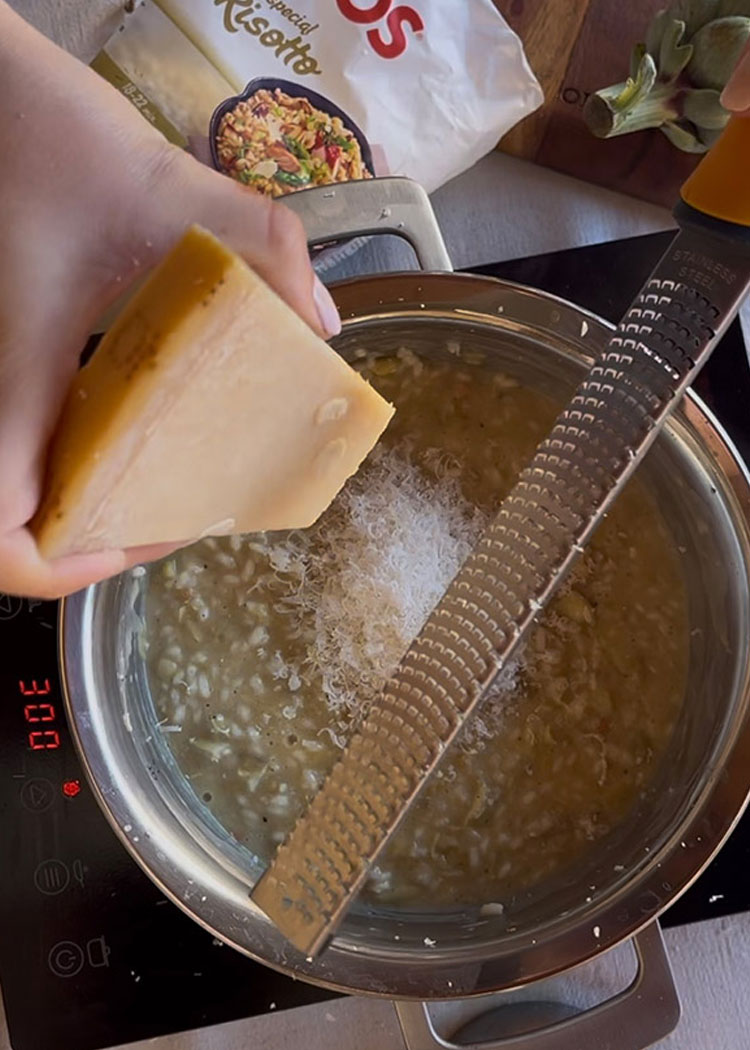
(716,51)
(682,137)
(655,33)
(702,106)
(694,13)
(708,136)
(635,87)
(673,55)
(636,58)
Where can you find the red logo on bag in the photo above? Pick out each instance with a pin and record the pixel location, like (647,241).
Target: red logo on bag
(395,19)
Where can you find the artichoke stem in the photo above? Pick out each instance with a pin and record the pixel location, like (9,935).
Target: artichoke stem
(606,119)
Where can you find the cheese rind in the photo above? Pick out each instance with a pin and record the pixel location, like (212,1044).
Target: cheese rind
(209,407)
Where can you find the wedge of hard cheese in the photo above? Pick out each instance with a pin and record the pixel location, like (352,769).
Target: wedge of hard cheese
(208,408)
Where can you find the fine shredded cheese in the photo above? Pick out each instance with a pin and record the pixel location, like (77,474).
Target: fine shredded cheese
(368,575)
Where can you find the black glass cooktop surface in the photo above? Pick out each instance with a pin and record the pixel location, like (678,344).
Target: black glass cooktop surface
(91,954)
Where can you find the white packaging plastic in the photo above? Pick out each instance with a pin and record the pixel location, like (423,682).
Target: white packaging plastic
(283,96)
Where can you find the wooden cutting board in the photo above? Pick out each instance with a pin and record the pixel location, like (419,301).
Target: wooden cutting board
(576,47)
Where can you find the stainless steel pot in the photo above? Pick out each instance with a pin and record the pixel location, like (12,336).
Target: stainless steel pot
(703,490)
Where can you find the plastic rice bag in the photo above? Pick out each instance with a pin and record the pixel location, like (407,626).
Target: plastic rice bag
(284,96)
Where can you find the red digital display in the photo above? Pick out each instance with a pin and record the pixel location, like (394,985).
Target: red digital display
(44,740)
(33,689)
(39,713)
(47,739)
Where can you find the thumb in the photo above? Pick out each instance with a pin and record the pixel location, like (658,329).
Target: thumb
(736,95)
(270,237)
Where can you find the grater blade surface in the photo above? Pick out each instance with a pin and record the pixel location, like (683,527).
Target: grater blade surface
(521,559)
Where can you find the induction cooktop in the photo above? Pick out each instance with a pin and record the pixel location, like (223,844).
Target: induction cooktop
(92,955)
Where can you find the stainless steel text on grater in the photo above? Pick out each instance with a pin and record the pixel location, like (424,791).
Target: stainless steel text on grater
(540,529)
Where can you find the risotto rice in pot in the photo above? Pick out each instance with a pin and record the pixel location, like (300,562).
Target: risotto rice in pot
(263,650)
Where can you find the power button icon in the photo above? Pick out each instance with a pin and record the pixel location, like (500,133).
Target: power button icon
(66,959)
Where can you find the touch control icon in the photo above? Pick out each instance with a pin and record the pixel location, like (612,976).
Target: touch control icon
(66,959)
(52,877)
(37,794)
(9,606)
(98,952)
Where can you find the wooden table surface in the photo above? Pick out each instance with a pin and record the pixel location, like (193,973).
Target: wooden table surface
(576,47)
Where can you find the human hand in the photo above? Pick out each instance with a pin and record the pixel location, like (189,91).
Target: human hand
(736,95)
(92,197)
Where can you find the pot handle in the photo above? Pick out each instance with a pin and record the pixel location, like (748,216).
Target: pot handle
(394,205)
(643,1013)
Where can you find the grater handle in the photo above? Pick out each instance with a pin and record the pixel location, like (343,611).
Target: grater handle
(392,205)
(642,1014)
(720,185)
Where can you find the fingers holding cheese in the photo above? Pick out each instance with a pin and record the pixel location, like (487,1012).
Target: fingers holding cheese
(266,234)
(24,571)
(209,408)
(94,200)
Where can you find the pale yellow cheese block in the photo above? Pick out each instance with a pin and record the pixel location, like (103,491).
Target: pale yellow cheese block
(208,408)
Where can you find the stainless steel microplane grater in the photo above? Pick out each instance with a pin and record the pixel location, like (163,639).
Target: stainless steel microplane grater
(560,498)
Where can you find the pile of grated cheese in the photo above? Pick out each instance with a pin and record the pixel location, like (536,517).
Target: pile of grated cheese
(370,572)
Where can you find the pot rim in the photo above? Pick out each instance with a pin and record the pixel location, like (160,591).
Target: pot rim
(452,972)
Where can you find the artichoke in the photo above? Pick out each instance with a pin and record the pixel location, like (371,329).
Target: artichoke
(677,75)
